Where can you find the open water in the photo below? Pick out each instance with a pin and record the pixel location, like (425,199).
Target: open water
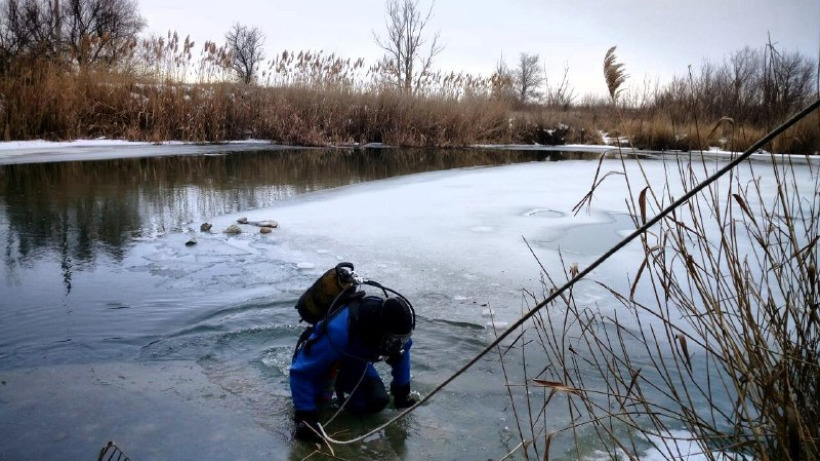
(115,325)
(112,328)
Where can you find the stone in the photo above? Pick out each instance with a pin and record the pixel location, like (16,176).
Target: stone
(205,227)
(270,223)
(242,220)
(233,229)
(266,230)
(191,242)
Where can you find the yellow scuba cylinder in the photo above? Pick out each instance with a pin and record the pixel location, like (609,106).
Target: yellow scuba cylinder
(316,302)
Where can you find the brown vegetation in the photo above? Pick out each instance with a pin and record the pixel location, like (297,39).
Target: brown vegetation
(716,332)
(157,89)
(711,345)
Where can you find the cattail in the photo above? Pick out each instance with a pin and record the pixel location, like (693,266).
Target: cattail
(684,350)
(614,74)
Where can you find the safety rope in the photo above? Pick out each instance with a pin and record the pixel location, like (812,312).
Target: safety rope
(345,401)
(581,274)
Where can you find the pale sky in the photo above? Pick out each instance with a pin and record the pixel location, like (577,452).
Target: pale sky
(656,38)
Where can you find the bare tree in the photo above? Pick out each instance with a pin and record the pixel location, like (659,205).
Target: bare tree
(407,61)
(57,25)
(528,77)
(99,30)
(502,82)
(787,83)
(741,80)
(247,51)
(561,95)
(26,29)
(91,30)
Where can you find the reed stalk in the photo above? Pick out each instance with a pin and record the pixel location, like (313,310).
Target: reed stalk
(169,88)
(712,346)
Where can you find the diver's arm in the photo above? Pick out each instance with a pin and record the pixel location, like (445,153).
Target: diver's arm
(401,365)
(400,387)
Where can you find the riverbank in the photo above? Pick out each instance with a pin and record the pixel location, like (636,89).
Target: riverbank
(55,105)
(19,152)
(39,151)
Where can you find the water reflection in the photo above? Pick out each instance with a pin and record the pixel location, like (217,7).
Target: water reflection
(87,290)
(77,211)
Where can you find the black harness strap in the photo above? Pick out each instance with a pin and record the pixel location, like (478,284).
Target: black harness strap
(350,300)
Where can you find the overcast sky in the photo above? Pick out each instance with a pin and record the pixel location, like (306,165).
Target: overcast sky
(656,38)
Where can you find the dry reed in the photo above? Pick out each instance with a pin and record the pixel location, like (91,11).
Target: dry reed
(162,89)
(713,345)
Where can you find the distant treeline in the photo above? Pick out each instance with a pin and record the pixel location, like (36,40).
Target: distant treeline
(81,68)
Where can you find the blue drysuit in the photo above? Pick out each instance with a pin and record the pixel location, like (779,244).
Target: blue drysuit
(334,360)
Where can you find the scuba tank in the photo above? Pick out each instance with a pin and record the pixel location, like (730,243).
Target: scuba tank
(319,301)
(337,287)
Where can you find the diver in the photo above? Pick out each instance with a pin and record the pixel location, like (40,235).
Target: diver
(336,355)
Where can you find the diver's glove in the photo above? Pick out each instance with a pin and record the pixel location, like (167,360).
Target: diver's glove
(401,396)
(393,359)
(306,422)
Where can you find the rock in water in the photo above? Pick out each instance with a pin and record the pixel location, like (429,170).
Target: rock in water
(205,227)
(242,220)
(233,229)
(272,224)
(266,230)
(191,242)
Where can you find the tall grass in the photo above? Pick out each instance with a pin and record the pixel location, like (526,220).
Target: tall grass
(162,91)
(167,88)
(711,347)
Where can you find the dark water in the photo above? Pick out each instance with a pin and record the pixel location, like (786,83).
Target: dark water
(176,358)
(61,222)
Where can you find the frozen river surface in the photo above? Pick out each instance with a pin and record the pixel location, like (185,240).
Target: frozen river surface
(114,327)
